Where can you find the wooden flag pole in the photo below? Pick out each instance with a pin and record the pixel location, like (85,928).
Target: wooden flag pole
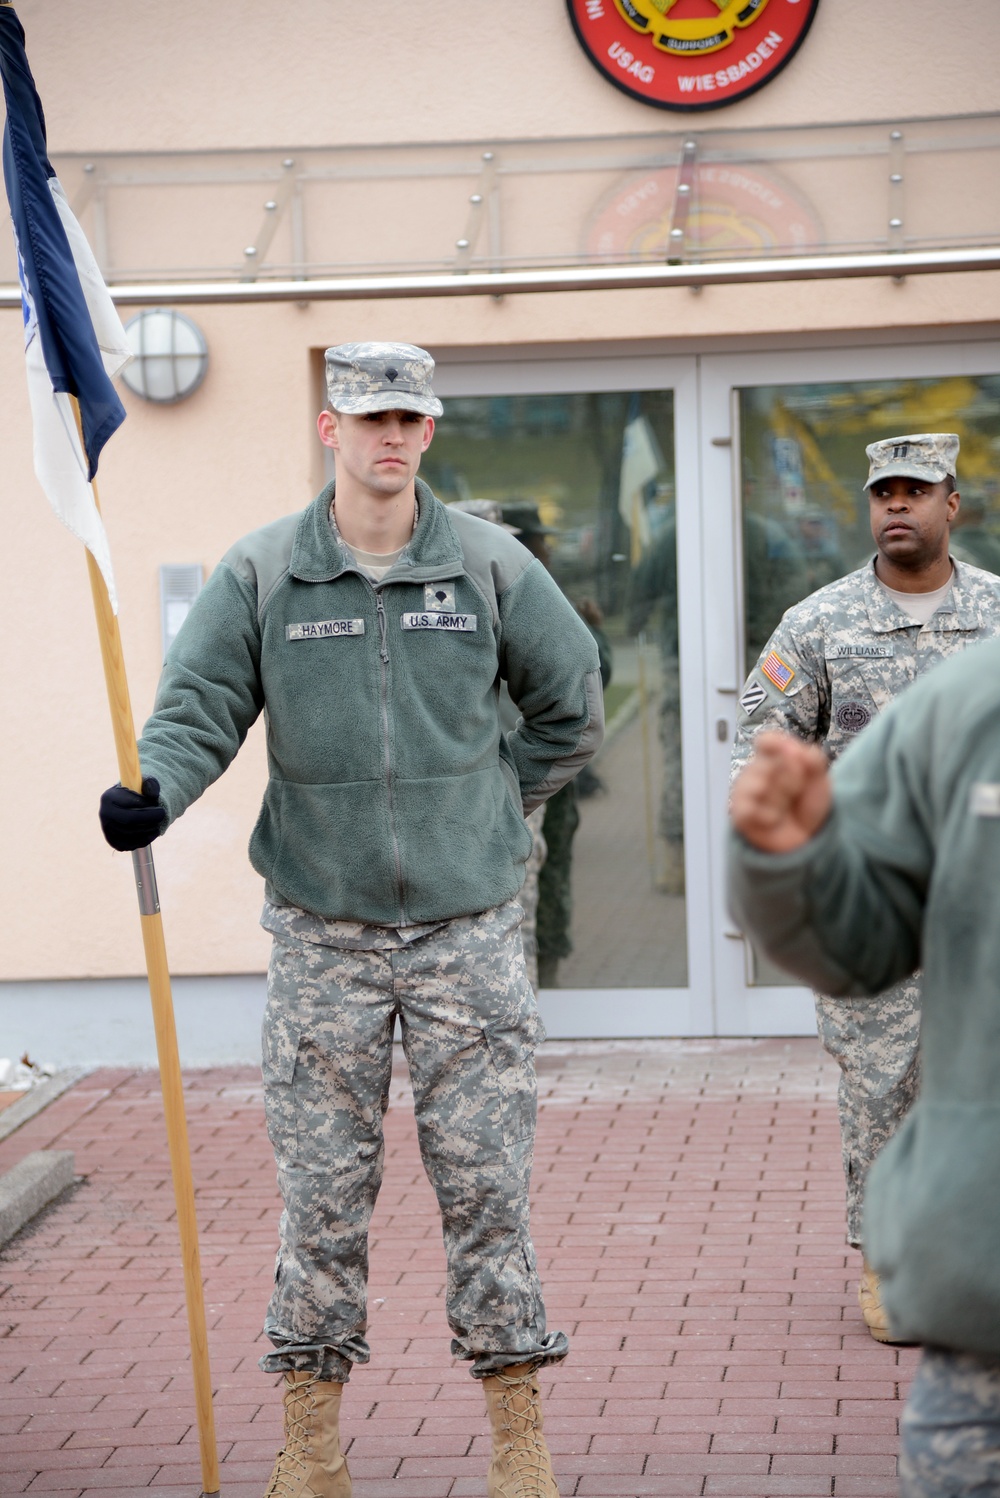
(163,1021)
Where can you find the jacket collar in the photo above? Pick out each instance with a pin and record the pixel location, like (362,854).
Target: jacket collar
(960,610)
(433,551)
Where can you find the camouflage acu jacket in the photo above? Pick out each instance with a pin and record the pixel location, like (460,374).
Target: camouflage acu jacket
(840,656)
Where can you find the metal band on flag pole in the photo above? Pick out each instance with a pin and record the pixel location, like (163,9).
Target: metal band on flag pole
(171,1084)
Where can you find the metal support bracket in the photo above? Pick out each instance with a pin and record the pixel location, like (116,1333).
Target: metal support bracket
(274,208)
(484,204)
(687,176)
(897,189)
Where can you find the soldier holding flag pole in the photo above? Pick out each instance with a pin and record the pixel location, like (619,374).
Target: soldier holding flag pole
(74,345)
(373,630)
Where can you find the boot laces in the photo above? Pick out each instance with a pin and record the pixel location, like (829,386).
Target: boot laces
(291,1464)
(525,1456)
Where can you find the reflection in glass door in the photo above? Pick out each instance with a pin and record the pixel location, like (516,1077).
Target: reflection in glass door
(783,513)
(804,512)
(589,481)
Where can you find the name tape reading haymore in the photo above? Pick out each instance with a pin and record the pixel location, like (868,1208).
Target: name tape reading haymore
(324,629)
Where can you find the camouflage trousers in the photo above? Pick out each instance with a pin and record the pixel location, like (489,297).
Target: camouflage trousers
(528,896)
(950,1432)
(469,1026)
(876,1043)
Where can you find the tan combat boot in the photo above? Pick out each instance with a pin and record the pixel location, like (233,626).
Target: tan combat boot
(520,1466)
(870,1301)
(310,1464)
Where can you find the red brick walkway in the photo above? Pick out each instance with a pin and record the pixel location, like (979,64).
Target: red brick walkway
(688,1219)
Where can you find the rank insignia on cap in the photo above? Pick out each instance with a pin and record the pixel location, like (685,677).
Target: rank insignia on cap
(777,671)
(754,694)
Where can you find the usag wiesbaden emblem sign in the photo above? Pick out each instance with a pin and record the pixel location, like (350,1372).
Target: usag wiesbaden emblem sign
(690,54)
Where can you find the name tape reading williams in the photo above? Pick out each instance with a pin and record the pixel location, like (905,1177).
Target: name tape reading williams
(324,629)
(863,652)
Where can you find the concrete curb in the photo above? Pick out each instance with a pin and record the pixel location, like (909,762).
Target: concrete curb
(30,1185)
(37,1098)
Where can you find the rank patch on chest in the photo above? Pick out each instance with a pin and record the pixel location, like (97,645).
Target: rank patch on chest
(984,799)
(863,652)
(439,598)
(324,629)
(777,671)
(461,623)
(753,695)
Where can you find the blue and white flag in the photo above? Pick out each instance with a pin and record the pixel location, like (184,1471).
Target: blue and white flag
(74,341)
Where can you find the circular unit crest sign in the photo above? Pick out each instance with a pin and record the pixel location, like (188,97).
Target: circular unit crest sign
(690,54)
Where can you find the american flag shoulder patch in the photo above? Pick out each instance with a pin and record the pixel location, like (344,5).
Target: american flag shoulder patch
(777,671)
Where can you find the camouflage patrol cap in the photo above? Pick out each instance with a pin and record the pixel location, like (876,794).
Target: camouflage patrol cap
(924,455)
(524,520)
(364,377)
(484,509)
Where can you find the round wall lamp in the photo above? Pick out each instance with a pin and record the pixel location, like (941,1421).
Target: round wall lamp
(171,356)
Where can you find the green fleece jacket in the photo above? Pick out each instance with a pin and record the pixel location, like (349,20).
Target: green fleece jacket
(392,798)
(906,873)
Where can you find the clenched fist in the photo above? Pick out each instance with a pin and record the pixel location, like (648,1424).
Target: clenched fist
(783,796)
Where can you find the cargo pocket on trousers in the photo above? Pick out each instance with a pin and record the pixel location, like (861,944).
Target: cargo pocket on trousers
(512,1052)
(280,1043)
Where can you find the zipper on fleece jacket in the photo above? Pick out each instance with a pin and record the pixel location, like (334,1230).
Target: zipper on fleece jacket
(383,652)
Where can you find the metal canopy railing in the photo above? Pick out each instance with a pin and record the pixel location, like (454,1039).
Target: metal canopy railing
(651,209)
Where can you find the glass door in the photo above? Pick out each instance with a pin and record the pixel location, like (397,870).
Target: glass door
(586,461)
(784,473)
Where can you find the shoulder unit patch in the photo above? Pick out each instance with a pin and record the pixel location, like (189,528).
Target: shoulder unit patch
(753,695)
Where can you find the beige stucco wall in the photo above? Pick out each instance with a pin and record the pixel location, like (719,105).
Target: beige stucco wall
(179,484)
(191,75)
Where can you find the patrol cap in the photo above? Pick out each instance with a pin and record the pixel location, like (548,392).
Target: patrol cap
(924,455)
(364,377)
(524,520)
(485,509)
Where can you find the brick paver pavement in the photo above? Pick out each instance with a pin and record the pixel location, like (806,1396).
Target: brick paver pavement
(688,1218)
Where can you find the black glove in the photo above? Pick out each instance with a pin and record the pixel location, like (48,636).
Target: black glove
(131,821)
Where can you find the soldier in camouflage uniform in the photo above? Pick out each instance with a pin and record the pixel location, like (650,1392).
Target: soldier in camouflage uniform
(835,661)
(374,629)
